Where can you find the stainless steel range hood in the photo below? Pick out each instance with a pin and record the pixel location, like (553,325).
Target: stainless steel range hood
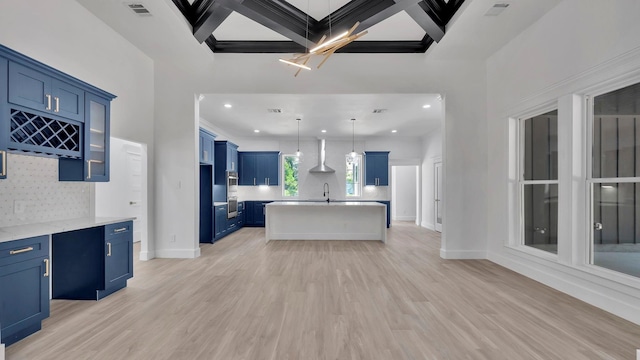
(321,168)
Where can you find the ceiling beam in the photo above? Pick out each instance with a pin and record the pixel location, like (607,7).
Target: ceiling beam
(419,14)
(253,47)
(210,14)
(276,15)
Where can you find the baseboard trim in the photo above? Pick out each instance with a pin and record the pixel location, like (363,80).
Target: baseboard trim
(579,287)
(404,218)
(146,255)
(177,253)
(463,254)
(429,226)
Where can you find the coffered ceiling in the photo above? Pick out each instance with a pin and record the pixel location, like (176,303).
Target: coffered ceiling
(279,26)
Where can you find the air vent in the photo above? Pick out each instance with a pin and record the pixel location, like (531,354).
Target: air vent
(496,9)
(275,111)
(379,111)
(139,9)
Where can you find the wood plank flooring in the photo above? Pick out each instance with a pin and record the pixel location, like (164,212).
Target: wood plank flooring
(243,299)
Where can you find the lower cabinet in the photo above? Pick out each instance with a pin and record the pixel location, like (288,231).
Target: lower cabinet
(90,264)
(24,270)
(255,213)
(220,221)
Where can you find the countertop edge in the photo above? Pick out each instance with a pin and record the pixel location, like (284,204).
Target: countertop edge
(17,232)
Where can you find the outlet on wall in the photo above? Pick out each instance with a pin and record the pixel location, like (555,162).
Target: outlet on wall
(19,206)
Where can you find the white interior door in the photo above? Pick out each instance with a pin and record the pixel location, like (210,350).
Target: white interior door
(438,196)
(124,194)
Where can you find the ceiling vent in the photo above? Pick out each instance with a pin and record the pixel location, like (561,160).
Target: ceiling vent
(139,9)
(496,9)
(274,111)
(379,111)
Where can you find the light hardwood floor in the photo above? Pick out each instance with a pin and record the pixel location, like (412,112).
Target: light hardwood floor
(243,299)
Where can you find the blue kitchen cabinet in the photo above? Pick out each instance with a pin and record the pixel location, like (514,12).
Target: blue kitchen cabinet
(39,91)
(248,216)
(259,168)
(206,204)
(254,213)
(207,148)
(24,281)
(94,166)
(92,263)
(226,157)
(240,218)
(376,168)
(220,221)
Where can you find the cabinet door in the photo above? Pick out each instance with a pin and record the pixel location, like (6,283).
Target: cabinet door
(248,213)
(382,164)
(96,134)
(24,298)
(370,169)
(259,213)
(376,167)
(247,169)
(67,100)
(206,148)
(220,221)
(272,169)
(29,88)
(232,161)
(118,263)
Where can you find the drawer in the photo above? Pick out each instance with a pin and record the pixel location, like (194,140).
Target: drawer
(24,249)
(118,229)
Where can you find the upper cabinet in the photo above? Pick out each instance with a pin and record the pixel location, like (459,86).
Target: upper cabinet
(44,112)
(226,159)
(37,91)
(258,167)
(376,168)
(206,140)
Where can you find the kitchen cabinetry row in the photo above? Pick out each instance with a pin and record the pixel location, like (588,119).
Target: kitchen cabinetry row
(85,264)
(44,112)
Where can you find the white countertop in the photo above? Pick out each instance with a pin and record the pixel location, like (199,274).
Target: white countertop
(324,203)
(15,232)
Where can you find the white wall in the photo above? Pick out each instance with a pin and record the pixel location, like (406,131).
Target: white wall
(576,46)
(404,193)
(432,153)
(64,35)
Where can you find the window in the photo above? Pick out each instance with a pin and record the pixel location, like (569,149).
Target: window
(539,181)
(353,176)
(290,175)
(615,180)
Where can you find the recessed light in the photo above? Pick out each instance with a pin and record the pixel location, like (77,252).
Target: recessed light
(256,131)
(426,106)
(227,106)
(394,131)
(324,131)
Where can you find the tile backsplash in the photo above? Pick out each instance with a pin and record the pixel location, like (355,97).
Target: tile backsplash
(33,183)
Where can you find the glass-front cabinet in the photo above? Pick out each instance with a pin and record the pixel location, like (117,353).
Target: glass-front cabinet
(97,134)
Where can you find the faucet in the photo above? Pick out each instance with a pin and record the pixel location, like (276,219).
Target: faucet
(325,188)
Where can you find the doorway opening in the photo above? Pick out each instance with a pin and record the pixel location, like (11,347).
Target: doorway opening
(125,195)
(405,193)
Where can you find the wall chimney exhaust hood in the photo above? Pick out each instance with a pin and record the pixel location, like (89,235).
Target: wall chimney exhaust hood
(321,168)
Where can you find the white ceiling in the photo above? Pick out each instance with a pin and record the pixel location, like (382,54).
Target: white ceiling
(333,113)
(166,38)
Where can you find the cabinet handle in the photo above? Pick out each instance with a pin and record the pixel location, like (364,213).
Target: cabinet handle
(88,169)
(48,102)
(254,181)
(57,104)
(46,267)
(205,155)
(120,230)
(27,249)
(108,249)
(4,163)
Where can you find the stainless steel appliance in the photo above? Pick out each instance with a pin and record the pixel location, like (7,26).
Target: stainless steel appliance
(232,194)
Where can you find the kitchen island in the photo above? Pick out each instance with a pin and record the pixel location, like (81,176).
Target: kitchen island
(293,220)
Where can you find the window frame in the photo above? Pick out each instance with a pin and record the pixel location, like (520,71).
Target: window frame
(282,173)
(360,158)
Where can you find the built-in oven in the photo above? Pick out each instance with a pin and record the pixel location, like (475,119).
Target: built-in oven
(232,194)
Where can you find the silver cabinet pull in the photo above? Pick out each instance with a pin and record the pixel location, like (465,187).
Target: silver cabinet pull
(4,163)
(88,169)
(254,181)
(48,102)
(108,249)
(27,249)
(57,104)
(46,267)
(120,230)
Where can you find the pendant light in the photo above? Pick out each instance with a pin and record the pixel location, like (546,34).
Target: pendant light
(353,154)
(299,153)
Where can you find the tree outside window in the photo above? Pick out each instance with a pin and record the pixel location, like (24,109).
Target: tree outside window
(290,183)
(353,175)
